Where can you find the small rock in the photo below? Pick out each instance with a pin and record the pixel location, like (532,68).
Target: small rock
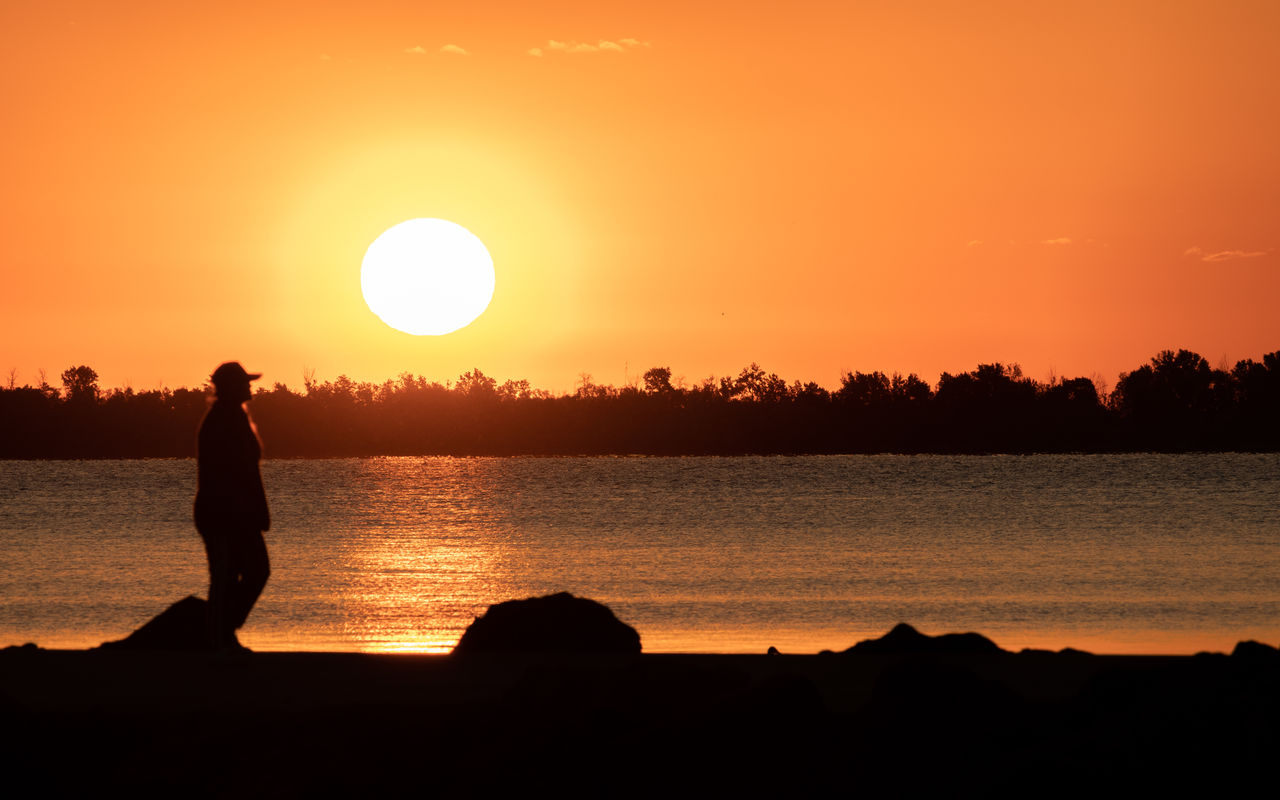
(906,639)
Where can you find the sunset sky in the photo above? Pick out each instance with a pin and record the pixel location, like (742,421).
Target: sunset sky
(814,186)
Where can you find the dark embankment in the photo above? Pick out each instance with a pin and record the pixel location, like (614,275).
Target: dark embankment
(892,721)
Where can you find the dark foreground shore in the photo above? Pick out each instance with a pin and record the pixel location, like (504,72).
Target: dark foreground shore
(199,724)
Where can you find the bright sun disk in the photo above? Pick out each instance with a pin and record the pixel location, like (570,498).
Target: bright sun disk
(427,277)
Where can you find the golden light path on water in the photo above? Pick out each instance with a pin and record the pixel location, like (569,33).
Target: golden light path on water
(420,559)
(407,592)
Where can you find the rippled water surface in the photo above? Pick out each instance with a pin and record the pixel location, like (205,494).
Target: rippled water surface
(1147,553)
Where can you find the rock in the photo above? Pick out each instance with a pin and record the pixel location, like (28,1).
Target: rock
(905,639)
(557,623)
(1255,650)
(1071,651)
(182,626)
(1041,652)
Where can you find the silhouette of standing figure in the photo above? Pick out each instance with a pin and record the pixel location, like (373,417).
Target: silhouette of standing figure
(231,505)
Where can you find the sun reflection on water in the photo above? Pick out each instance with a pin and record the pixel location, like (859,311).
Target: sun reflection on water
(425,561)
(414,591)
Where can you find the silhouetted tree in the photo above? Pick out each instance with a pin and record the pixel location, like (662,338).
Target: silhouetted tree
(865,389)
(589,389)
(1074,393)
(753,383)
(910,391)
(80,383)
(1257,385)
(476,384)
(517,390)
(658,381)
(1175,402)
(809,392)
(991,409)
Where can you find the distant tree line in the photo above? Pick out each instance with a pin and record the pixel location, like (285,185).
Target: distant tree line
(1175,403)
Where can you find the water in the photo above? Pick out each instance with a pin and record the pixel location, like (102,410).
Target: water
(1113,553)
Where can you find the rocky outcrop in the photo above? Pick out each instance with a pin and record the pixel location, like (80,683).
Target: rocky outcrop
(904,639)
(183,626)
(1254,650)
(556,623)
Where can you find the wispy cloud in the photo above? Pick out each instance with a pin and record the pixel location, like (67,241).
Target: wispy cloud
(1059,241)
(1222,255)
(453,49)
(572,47)
(417,50)
(974,242)
(578,48)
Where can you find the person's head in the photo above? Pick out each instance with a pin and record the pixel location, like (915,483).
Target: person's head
(231,382)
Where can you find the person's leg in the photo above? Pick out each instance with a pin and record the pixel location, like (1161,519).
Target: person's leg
(252,570)
(221,586)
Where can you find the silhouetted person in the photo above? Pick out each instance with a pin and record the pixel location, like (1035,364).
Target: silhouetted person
(231,505)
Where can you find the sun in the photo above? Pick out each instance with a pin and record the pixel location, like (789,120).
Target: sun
(427,277)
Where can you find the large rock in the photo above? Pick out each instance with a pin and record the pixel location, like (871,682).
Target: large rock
(557,623)
(182,626)
(904,639)
(1255,651)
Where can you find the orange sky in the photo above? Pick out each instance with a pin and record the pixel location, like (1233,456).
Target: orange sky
(911,186)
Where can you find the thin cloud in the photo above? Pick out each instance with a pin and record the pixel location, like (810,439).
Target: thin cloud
(453,49)
(417,50)
(601,46)
(974,243)
(536,52)
(1223,255)
(1060,240)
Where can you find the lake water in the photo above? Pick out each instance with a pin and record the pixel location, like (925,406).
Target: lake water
(1111,553)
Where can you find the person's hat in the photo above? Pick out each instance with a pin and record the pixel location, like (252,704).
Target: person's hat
(231,373)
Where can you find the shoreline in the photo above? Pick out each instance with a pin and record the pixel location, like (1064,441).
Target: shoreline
(1145,642)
